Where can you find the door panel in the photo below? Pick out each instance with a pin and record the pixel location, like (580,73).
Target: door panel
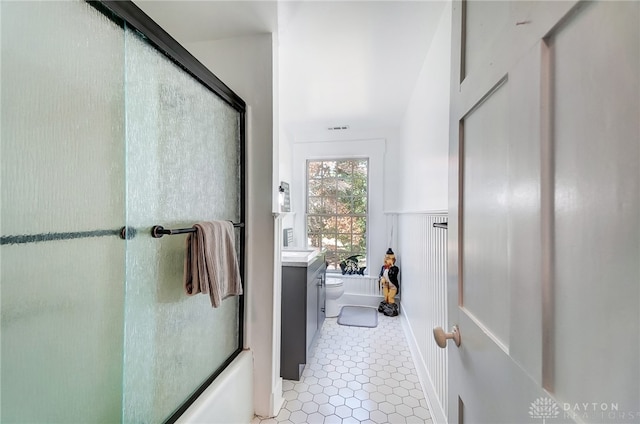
(597,225)
(497,367)
(485,288)
(544,230)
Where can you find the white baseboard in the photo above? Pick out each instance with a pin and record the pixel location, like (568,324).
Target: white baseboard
(438,414)
(277,401)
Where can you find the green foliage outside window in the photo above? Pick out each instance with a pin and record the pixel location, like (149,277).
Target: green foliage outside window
(337,208)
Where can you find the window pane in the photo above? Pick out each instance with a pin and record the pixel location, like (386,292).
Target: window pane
(314,240)
(315,187)
(329,224)
(360,225)
(345,253)
(344,187)
(314,205)
(314,224)
(329,205)
(344,224)
(332,259)
(359,242)
(346,203)
(315,170)
(344,241)
(330,240)
(328,169)
(359,186)
(361,167)
(360,205)
(329,187)
(344,168)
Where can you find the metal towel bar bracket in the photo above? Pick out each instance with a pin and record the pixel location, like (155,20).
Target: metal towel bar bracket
(158,231)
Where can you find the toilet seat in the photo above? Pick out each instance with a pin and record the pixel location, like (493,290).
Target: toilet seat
(334,282)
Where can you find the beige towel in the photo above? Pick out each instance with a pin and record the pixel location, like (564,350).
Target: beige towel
(211,265)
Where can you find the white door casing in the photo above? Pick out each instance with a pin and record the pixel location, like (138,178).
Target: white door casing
(544,228)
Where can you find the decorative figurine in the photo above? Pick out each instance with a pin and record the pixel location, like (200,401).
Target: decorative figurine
(390,285)
(350,266)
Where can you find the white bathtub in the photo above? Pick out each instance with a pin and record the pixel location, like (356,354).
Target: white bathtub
(229,399)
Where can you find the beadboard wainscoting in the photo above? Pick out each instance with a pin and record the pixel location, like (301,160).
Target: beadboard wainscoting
(421,251)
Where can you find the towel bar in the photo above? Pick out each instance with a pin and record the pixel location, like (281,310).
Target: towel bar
(158,231)
(125,233)
(440,225)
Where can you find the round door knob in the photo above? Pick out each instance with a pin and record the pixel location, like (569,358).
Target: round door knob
(442,337)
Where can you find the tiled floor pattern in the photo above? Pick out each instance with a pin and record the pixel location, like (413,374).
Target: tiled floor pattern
(356,375)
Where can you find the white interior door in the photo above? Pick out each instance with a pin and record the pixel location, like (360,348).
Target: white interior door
(544,229)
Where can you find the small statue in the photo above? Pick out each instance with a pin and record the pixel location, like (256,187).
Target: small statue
(390,285)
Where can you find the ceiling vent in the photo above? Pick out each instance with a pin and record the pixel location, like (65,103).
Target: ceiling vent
(339,128)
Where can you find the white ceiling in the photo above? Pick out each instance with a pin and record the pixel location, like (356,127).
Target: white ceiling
(341,62)
(192,21)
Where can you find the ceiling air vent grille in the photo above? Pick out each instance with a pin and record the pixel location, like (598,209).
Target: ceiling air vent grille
(339,128)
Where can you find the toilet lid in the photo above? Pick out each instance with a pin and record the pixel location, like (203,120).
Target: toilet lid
(334,281)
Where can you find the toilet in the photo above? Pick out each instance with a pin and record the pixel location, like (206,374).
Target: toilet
(335,290)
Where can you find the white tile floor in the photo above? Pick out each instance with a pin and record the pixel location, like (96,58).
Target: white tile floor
(356,375)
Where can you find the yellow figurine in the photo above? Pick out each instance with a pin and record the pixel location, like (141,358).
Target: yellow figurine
(390,284)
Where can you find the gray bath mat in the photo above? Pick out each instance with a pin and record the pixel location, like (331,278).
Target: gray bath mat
(358,316)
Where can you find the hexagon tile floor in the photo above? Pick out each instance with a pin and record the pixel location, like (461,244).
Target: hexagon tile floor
(356,375)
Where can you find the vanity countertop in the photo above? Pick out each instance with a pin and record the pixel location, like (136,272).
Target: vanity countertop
(298,257)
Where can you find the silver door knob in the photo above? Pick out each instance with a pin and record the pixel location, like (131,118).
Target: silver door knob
(442,337)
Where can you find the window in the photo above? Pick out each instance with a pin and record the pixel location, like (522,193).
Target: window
(337,209)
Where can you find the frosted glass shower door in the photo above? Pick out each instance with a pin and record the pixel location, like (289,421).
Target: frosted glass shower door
(100,132)
(62,191)
(183,166)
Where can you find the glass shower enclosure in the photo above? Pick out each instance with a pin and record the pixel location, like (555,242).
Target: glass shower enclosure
(109,127)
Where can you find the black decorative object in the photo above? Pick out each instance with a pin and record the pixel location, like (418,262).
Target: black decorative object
(285,199)
(349,266)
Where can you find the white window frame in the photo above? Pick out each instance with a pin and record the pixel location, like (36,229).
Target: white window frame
(361,148)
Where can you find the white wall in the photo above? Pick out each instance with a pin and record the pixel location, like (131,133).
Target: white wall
(424,140)
(245,64)
(422,186)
